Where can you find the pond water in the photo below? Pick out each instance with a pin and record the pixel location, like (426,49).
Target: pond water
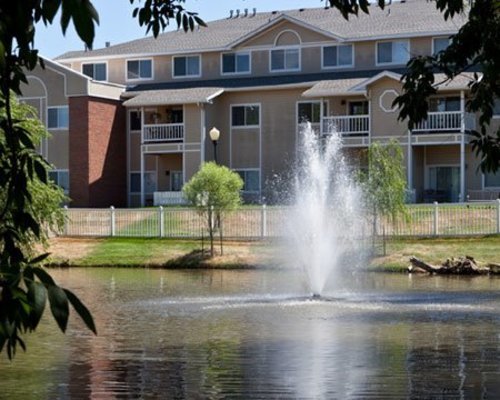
(255,335)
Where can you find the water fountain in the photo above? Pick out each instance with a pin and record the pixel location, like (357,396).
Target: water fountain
(325,224)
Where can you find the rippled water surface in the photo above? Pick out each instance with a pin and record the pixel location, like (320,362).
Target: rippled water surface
(257,335)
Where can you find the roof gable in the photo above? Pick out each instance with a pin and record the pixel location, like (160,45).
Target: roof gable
(267,34)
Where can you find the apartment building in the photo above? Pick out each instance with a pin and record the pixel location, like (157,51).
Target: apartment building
(137,126)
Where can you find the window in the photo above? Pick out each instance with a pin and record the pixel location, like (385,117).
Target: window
(97,71)
(492,180)
(496,108)
(397,52)
(135,120)
(285,60)
(58,117)
(187,66)
(337,56)
(358,108)
(149,182)
(440,44)
(245,115)
(139,69)
(442,104)
(235,63)
(251,179)
(61,178)
(309,112)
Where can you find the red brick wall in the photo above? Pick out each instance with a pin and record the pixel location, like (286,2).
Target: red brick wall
(97,152)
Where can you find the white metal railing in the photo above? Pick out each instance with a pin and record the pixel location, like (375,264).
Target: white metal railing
(347,124)
(443,121)
(168,198)
(163,132)
(481,218)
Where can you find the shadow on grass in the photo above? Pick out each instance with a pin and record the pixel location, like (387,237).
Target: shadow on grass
(194,259)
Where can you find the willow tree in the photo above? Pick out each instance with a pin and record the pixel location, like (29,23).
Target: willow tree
(384,183)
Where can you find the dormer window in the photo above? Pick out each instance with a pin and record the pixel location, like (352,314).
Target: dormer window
(287,59)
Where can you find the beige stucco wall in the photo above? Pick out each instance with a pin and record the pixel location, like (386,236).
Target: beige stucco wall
(239,148)
(385,123)
(192,123)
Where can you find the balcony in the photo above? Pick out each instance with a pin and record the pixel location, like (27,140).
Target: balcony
(445,122)
(163,133)
(347,125)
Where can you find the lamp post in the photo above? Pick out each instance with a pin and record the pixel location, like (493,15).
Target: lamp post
(214,136)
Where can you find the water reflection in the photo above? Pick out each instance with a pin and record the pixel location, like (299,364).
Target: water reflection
(252,335)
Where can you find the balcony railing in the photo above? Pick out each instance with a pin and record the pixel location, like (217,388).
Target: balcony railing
(445,121)
(358,125)
(163,132)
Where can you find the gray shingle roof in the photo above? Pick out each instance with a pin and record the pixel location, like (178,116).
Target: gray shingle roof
(332,87)
(410,18)
(175,96)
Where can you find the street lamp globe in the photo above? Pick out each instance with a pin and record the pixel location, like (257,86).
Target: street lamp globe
(214,134)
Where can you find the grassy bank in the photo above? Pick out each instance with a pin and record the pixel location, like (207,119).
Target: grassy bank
(164,253)
(435,251)
(154,253)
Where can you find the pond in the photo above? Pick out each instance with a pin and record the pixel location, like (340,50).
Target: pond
(256,335)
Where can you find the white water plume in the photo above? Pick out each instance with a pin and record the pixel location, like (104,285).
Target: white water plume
(325,219)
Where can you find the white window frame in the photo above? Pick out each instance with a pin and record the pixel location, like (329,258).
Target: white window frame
(323,66)
(249,53)
(285,48)
(58,171)
(377,63)
(186,76)
(139,61)
(155,174)
(58,128)
(250,170)
(93,69)
(244,126)
(438,37)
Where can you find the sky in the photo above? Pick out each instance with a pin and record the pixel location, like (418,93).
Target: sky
(118,26)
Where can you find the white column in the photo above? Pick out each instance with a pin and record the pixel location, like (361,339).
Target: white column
(203,130)
(462,147)
(321,115)
(143,202)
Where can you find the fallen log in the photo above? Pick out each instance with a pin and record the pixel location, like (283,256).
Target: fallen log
(461,266)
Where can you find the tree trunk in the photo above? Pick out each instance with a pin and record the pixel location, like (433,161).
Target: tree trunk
(461,266)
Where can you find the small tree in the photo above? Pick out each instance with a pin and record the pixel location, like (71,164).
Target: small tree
(214,190)
(385,183)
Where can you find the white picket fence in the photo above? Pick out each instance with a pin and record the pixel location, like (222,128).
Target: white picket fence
(423,220)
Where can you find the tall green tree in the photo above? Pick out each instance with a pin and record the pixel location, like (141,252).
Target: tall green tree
(214,190)
(476,48)
(25,287)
